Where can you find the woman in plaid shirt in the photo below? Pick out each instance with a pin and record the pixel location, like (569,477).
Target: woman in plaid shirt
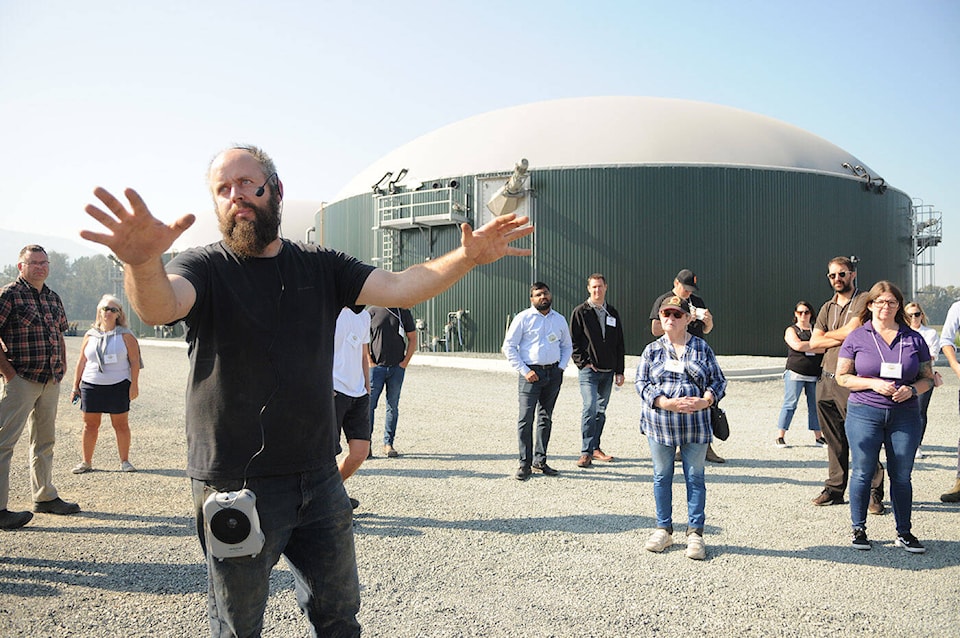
(678,380)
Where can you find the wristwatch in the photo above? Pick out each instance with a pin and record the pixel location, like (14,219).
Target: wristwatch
(913,389)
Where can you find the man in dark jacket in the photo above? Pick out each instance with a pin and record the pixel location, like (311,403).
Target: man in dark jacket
(597,336)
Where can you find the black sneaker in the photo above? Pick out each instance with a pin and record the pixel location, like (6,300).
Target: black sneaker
(545,469)
(860,539)
(56,506)
(14,520)
(780,442)
(910,543)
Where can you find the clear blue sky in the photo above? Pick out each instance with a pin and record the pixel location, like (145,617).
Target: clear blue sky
(143,94)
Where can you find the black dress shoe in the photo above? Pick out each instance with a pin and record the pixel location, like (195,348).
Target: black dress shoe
(545,469)
(56,506)
(14,520)
(523,472)
(354,503)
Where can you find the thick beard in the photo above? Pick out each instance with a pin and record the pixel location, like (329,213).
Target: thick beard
(249,238)
(544,305)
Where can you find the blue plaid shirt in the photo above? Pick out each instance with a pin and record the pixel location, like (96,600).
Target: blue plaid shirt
(653,380)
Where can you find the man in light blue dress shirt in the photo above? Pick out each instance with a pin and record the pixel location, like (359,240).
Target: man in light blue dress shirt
(538,347)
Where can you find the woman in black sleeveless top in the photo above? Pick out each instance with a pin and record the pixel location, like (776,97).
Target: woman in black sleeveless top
(803,370)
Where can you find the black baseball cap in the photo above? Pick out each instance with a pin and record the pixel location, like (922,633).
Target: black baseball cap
(687,279)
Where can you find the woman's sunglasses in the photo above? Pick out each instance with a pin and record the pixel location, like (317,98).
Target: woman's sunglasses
(676,314)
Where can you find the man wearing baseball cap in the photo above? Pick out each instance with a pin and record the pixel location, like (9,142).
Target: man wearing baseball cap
(701,324)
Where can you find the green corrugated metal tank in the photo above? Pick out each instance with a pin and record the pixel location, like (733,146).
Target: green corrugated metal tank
(637,189)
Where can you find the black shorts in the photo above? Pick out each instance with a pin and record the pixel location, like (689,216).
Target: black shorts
(105,399)
(353,415)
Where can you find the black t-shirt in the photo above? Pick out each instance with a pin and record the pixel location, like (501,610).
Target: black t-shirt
(387,346)
(260,339)
(696,326)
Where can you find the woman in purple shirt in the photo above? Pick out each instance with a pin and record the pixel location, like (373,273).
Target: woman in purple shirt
(886,365)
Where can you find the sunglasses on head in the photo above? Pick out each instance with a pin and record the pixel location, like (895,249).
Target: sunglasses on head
(110,309)
(833,275)
(676,314)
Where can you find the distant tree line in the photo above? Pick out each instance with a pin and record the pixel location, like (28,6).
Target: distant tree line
(936,301)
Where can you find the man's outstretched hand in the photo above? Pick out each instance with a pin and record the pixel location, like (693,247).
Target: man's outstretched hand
(492,241)
(135,237)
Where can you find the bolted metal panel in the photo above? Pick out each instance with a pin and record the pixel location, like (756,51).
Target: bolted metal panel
(758,240)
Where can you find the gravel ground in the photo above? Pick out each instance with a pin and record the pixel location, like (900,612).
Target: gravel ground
(449,544)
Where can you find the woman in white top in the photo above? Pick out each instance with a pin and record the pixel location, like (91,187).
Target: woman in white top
(918,321)
(106,380)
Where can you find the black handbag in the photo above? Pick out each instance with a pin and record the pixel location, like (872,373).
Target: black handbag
(718,418)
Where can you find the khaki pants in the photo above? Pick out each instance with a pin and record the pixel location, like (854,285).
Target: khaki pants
(24,401)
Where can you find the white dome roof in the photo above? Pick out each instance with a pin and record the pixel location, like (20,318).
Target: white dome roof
(606,131)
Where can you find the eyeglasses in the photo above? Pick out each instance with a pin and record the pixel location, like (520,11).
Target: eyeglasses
(801,312)
(36,263)
(833,275)
(893,303)
(916,314)
(676,314)
(110,309)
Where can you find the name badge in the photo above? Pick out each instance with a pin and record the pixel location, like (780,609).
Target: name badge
(611,321)
(891,370)
(400,331)
(353,340)
(552,337)
(109,358)
(673,365)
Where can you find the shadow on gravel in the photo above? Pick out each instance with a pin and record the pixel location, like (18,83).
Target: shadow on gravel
(144,525)
(377,525)
(36,577)
(940,554)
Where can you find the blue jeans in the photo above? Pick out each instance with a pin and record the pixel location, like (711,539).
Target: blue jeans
(898,431)
(694,457)
(308,519)
(537,399)
(392,377)
(595,390)
(791,396)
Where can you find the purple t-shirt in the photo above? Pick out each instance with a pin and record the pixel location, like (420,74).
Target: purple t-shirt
(868,351)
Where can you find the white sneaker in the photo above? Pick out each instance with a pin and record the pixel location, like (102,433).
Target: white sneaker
(919,454)
(127,466)
(659,540)
(695,547)
(82,467)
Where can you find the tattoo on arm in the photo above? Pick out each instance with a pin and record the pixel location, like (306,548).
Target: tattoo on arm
(845,370)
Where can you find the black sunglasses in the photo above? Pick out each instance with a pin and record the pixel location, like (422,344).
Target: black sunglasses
(833,275)
(676,314)
(915,314)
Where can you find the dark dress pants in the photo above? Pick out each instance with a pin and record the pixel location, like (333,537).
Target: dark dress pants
(537,400)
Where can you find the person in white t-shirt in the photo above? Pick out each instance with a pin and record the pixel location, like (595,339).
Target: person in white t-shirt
(351,386)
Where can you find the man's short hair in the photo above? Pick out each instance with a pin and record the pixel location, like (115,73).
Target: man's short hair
(596,275)
(31,248)
(843,261)
(538,285)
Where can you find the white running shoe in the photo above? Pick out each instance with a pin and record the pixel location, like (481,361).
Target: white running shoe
(695,547)
(659,540)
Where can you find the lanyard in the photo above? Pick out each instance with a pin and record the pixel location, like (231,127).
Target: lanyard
(876,342)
